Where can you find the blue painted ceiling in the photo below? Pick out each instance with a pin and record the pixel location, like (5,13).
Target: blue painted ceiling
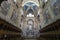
(28,5)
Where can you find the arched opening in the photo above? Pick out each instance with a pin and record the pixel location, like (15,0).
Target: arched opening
(30,15)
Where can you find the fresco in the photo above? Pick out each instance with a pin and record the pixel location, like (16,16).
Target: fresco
(14,16)
(47,16)
(5,6)
(56,8)
(30,6)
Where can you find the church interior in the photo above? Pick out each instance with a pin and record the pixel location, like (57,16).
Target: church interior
(29,19)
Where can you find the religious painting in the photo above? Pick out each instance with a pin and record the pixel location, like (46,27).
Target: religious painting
(14,16)
(56,8)
(5,6)
(47,16)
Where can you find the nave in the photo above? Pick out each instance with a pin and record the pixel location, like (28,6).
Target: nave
(30,20)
